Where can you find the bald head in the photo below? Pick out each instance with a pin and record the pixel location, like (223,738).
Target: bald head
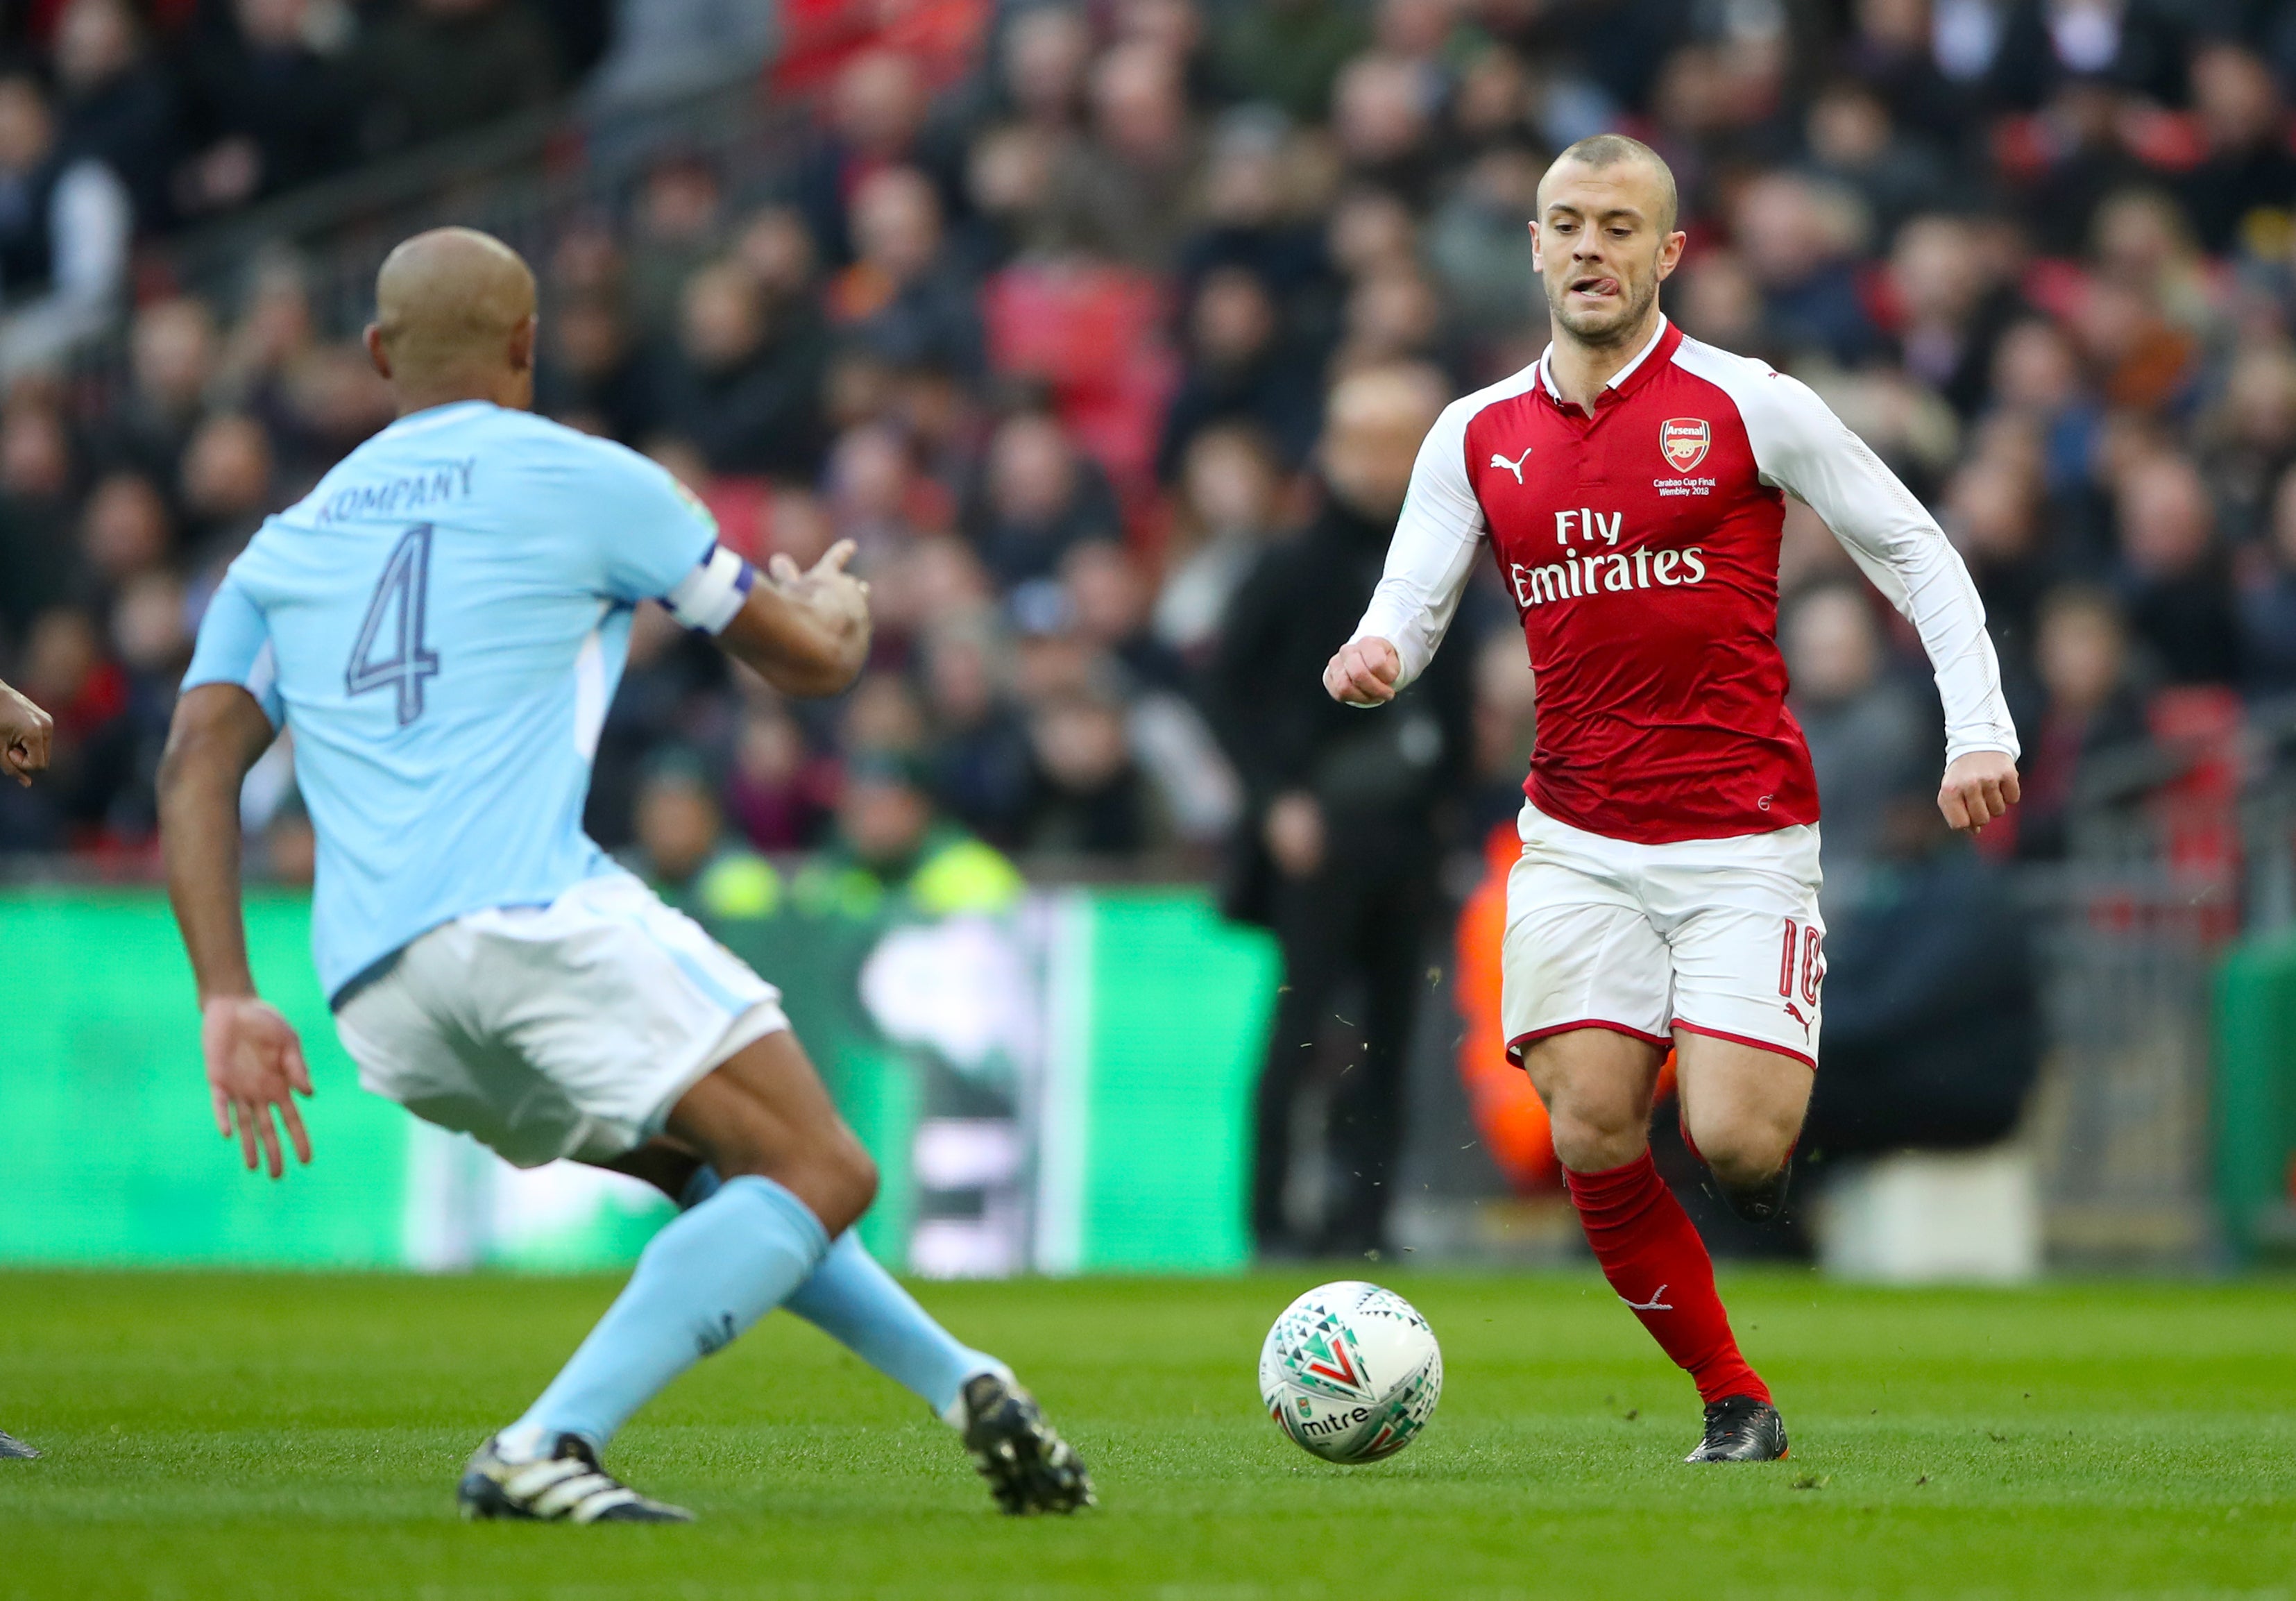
(454,320)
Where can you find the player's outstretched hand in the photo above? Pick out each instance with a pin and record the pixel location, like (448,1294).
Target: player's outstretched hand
(24,731)
(1978,788)
(1363,673)
(842,599)
(255,1064)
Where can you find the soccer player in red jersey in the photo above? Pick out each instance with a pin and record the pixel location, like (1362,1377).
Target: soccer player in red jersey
(1631,485)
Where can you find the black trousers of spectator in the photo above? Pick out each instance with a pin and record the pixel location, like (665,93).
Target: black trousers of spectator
(1363,915)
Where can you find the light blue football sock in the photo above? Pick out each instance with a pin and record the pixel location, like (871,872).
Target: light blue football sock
(705,1277)
(856,1304)
(855,1301)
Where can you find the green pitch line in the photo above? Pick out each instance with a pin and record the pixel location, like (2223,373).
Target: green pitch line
(298,1436)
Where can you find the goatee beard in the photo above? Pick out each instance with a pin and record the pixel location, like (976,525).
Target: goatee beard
(1612,335)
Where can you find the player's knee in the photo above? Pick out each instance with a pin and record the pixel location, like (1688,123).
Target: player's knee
(1597,1089)
(1593,1138)
(826,1168)
(1746,1149)
(838,1179)
(854,1180)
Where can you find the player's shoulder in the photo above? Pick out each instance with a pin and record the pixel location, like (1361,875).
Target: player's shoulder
(594,474)
(509,435)
(547,433)
(1468,407)
(542,442)
(1768,400)
(1443,446)
(271,557)
(1726,369)
(523,464)
(368,477)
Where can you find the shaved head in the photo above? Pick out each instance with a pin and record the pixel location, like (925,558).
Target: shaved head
(1608,150)
(454,319)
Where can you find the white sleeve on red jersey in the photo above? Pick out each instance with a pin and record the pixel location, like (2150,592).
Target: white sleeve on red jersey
(1800,446)
(1436,538)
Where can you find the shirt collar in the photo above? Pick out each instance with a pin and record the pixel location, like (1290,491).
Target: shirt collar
(431,416)
(1547,362)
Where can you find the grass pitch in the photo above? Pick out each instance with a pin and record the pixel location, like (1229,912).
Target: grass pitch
(297,1436)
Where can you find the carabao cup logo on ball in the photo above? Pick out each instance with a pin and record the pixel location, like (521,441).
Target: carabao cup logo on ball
(1351,1372)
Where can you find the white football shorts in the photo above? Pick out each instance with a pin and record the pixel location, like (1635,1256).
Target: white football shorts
(566,1030)
(1718,937)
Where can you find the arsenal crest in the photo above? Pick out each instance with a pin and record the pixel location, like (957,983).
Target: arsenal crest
(1684,440)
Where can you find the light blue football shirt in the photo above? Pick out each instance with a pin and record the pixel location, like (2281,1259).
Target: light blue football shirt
(440,624)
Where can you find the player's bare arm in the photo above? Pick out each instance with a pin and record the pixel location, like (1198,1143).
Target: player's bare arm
(24,733)
(806,633)
(255,1064)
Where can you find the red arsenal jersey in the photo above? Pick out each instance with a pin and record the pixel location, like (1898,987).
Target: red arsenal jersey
(1640,545)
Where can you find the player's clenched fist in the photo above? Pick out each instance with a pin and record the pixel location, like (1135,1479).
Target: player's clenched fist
(1978,788)
(24,731)
(1363,673)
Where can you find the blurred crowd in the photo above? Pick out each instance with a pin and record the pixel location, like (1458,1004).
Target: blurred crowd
(1045,311)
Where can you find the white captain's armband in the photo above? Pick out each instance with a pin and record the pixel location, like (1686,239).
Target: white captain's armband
(709,597)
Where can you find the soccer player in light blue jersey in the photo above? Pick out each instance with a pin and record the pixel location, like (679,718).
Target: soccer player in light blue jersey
(440,624)
(24,731)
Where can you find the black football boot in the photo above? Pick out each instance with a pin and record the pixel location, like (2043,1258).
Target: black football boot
(1741,1428)
(1030,1468)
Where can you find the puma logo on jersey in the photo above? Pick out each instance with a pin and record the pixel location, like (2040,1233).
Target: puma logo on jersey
(1793,1011)
(1514,466)
(1656,1303)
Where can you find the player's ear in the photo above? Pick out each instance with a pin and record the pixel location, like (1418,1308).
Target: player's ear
(1670,252)
(521,344)
(1537,262)
(375,353)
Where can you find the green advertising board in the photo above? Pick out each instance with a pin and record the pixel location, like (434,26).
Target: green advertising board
(1121,1120)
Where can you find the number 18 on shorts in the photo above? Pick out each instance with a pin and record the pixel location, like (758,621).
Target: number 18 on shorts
(1719,937)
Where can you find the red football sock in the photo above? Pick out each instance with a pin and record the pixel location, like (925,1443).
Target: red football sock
(1653,1256)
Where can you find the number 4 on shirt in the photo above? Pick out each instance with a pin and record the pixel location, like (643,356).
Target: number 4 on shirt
(395,620)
